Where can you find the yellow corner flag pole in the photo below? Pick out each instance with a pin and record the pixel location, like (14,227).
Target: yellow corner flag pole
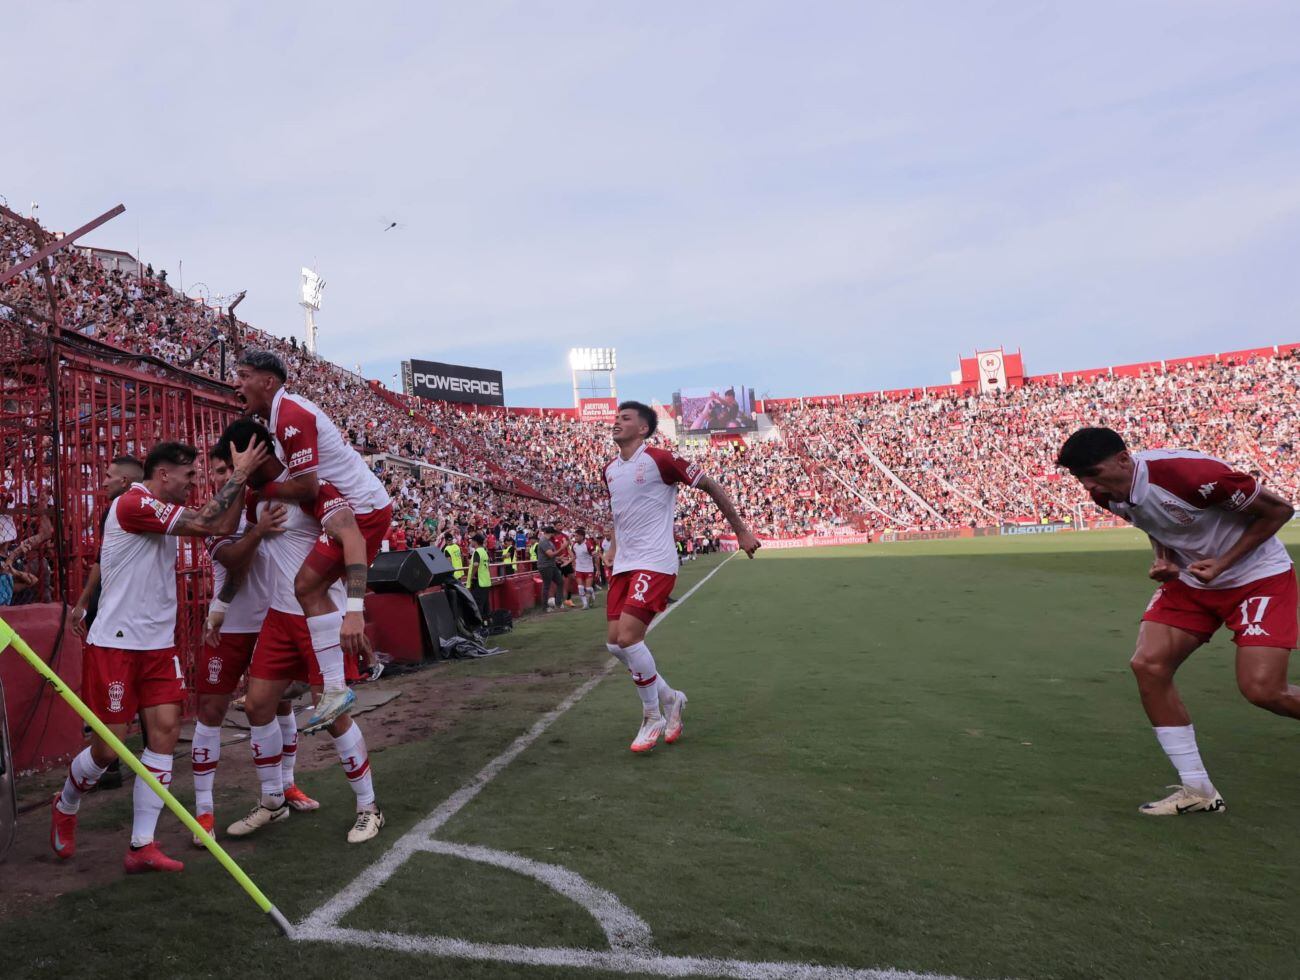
(9,638)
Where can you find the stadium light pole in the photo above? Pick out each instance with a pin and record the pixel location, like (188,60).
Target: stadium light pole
(312,287)
(592,360)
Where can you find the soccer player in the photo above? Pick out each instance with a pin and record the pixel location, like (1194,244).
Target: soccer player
(584,565)
(282,653)
(314,451)
(130,661)
(564,562)
(1219,562)
(642,482)
(241,574)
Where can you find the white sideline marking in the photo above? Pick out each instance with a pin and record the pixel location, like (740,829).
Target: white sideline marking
(378,873)
(631,942)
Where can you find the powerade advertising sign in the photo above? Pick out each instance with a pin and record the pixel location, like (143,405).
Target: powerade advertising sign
(452,383)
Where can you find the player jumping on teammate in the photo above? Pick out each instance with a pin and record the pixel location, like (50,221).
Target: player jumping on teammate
(642,482)
(130,660)
(282,655)
(1219,562)
(314,451)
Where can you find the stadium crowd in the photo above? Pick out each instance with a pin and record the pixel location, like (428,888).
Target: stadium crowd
(868,464)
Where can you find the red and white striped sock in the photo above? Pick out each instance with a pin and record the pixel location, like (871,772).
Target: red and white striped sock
(268,752)
(289,738)
(351,747)
(325,645)
(148,804)
(205,753)
(83,774)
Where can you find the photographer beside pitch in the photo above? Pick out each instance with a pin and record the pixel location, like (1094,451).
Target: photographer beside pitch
(1220,563)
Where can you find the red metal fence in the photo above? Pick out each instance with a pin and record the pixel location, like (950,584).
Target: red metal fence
(68,406)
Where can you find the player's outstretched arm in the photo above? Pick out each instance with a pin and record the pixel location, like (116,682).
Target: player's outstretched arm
(220,515)
(1270,514)
(342,527)
(303,489)
(744,537)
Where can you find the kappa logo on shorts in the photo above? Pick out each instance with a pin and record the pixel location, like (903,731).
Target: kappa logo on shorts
(1250,625)
(214,670)
(116,692)
(640,586)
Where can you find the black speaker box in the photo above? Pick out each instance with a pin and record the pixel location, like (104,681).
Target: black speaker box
(439,623)
(410,571)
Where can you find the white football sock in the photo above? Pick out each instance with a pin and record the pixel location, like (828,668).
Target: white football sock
(617,652)
(148,804)
(325,645)
(83,774)
(205,753)
(351,747)
(289,739)
(641,662)
(268,752)
(1179,743)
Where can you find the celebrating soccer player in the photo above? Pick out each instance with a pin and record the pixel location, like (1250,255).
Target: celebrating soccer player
(642,483)
(242,576)
(314,451)
(130,661)
(282,655)
(1219,562)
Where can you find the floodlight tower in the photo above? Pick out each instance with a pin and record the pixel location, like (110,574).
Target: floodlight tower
(312,286)
(593,373)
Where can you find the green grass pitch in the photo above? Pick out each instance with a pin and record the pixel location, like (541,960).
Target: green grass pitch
(922,756)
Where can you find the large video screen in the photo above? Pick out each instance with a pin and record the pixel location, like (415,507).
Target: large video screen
(727,408)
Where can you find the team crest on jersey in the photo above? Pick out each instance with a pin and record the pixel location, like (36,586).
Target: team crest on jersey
(214,670)
(290,431)
(1205,489)
(1177,513)
(116,692)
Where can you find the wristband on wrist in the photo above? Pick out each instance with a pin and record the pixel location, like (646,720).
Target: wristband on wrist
(356,605)
(218,606)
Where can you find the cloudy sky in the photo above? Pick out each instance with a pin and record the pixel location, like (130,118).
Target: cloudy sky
(805,197)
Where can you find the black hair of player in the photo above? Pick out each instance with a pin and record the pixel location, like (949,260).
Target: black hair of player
(648,415)
(264,360)
(171,453)
(1089,447)
(127,461)
(239,434)
(478,538)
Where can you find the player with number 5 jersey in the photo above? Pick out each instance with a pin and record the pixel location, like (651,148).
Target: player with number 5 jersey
(1219,562)
(642,482)
(130,662)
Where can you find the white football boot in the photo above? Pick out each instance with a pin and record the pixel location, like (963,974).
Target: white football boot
(1184,800)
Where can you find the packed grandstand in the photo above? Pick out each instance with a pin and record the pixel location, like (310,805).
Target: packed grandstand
(867,463)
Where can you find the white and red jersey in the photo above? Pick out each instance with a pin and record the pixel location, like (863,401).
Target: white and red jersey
(287,550)
(311,443)
(1191,503)
(248,608)
(137,569)
(584,557)
(643,497)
